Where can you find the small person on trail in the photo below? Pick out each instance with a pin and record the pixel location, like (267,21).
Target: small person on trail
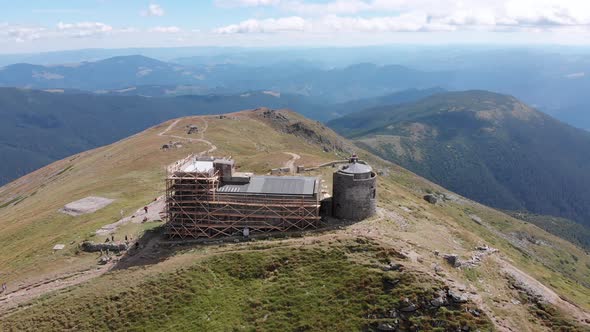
(113,238)
(246,232)
(4,287)
(107,240)
(145,208)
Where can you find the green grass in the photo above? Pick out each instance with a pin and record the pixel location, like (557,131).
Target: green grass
(314,289)
(574,232)
(471,274)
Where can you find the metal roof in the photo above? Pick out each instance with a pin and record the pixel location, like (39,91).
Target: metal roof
(279,185)
(356,168)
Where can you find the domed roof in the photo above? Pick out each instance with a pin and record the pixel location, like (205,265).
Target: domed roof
(356,168)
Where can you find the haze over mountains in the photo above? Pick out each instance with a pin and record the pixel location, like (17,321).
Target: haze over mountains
(123,73)
(549,79)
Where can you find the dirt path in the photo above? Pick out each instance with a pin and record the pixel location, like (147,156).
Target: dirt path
(155,213)
(291,162)
(169,127)
(156,207)
(202,139)
(10,301)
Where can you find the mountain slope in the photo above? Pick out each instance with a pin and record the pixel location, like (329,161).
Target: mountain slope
(486,146)
(40,127)
(396,98)
(328,279)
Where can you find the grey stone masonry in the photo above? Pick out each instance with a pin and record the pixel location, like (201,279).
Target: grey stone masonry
(354,191)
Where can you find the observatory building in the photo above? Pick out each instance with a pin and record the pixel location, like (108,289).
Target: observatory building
(354,191)
(206,198)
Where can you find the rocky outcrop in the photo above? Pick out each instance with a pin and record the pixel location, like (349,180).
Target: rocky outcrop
(452,259)
(431,198)
(306,130)
(475,260)
(525,237)
(438,197)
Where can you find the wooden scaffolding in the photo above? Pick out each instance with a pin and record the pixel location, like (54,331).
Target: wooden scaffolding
(195,209)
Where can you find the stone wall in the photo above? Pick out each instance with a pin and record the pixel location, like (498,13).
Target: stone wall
(354,199)
(90,246)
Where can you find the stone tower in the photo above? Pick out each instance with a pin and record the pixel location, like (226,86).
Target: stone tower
(354,191)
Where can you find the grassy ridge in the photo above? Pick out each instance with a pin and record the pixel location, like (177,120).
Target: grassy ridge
(312,289)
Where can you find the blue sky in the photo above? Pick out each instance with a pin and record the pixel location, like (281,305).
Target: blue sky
(35,25)
(194,14)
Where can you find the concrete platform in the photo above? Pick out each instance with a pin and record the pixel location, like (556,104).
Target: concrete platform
(86,205)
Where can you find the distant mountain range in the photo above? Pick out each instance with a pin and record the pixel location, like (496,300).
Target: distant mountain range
(112,73)
(551,82)
(486,146)
(129,73)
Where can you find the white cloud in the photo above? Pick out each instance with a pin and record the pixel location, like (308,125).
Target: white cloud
(460,13)
(411,22)
(168,29)
(84,29)
(153,10)
(20,34)
(270,25)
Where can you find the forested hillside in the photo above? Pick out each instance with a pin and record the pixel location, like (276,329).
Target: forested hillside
(486,146)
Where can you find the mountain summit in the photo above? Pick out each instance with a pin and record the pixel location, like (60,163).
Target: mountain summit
(415,265)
